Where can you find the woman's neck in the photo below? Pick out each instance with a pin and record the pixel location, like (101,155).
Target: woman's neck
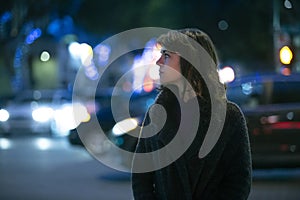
(185,90)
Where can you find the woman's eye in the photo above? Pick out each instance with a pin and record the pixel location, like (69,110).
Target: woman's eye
(166,55)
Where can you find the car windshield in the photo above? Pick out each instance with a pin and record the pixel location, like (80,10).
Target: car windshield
(252,93)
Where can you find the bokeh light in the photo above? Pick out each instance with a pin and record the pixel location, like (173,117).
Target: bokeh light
(226,74)
(45,56)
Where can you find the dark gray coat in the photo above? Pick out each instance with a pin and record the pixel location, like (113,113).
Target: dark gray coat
(225,173)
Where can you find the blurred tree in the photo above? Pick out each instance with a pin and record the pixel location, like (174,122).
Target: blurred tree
(246,35)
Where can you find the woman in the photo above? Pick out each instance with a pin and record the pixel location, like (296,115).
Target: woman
(225,171)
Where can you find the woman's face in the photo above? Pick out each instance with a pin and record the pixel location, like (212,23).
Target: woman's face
(169,64)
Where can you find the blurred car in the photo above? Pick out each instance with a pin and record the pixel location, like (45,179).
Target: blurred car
(271,104)
(38,111)
(138,105)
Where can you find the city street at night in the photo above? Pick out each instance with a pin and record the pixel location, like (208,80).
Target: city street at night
(196,91)
(34,167)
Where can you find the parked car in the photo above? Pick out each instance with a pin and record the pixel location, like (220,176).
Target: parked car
(38,111)
(271,104)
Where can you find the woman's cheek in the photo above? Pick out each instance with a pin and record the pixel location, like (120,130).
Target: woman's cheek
(170,75)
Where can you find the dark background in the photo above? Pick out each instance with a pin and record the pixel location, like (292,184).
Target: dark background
(245,41)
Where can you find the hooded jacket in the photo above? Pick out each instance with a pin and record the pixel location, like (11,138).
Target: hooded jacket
(225,173)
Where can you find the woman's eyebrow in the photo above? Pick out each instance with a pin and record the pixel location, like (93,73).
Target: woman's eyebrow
(163,51)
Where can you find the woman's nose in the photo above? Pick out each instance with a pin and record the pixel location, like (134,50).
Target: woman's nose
(159,62)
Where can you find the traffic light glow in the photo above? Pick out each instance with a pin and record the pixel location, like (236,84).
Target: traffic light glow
(285,55)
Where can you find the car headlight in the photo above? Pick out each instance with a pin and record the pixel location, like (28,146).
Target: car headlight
(4,115)
(81,113)
(42,114)
(70,116)
(124,126)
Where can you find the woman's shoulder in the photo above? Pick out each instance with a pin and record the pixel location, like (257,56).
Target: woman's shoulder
(234,112)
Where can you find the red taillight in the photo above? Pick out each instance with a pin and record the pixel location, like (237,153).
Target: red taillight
(285,125)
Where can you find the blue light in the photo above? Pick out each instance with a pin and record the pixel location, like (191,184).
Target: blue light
(37,33)
(53,27)
(29,39)
(60,27)
(103,52)
(5,17)
(19,53)
(33,35)
(149,102)
(247,88)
